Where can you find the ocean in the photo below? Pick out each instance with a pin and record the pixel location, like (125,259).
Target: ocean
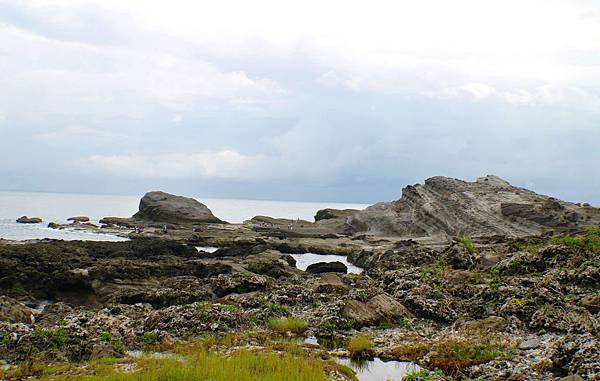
(57,207)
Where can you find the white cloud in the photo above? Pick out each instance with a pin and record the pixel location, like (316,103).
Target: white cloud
(224,164)
(57,77)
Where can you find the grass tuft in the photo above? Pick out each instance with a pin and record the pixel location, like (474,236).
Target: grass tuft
(360,346)
(284,325)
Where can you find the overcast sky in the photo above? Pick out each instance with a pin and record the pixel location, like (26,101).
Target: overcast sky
(307,100)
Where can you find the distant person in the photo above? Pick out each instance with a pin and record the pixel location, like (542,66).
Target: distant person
(165,229)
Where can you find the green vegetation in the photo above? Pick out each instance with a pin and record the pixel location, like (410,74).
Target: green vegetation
(240,366)
(292,325)
(469,245)
(436,270)
(453,355)
(199,360)
(423,375)
(360,346)
(588,241)
(150,337)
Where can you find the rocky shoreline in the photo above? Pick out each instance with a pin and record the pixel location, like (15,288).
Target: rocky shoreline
(481,281)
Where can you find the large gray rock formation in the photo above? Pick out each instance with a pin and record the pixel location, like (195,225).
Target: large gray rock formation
(443,207)
(165,207)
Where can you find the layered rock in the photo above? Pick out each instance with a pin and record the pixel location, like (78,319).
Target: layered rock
(444,207)
(164,207)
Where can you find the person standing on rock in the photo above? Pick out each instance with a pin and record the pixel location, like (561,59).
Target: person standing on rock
(165,229)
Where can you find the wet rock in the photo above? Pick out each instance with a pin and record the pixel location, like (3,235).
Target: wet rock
(79,219)
(271,262)
(327,267)
(164,207)
(29,220)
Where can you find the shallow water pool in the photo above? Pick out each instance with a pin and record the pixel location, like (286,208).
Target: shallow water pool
(307,259)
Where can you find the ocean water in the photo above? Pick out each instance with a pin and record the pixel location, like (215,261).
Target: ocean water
(57,207)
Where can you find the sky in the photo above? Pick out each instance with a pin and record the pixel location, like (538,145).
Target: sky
(306,100)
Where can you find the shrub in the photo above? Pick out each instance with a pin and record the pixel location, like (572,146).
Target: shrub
(292,324)
(360,345)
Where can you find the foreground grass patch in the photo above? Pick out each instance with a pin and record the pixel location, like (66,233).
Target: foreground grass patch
(241,366)
(292,324)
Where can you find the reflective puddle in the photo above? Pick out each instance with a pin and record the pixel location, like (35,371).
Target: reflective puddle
(307,259)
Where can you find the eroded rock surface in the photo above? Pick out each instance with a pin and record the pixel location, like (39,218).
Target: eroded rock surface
(445,207)
(164,207)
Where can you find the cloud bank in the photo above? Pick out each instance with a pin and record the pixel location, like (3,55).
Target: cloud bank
(268,99)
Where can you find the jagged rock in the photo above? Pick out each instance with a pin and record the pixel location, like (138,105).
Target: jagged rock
(29,220)
(271,262)
(377,309)
(330,283)
(79,219)
(327,267)
(14,311)
(443,207)
(164,207)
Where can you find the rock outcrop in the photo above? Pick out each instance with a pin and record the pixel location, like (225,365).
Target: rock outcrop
(29,220)
(164,207)
(80,219)
(443,207)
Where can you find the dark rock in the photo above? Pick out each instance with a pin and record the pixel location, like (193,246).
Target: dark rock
(327,214)
(118,221)
(327,267)
(79,219)
(29,220)
(164,207)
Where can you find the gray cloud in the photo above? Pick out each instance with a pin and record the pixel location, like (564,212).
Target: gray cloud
(120,100)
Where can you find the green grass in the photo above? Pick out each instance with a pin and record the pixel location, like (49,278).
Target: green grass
(360,345)
(205,366)
(469,245)
(284,325)
(588,241)
(423,375)
(454,355)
